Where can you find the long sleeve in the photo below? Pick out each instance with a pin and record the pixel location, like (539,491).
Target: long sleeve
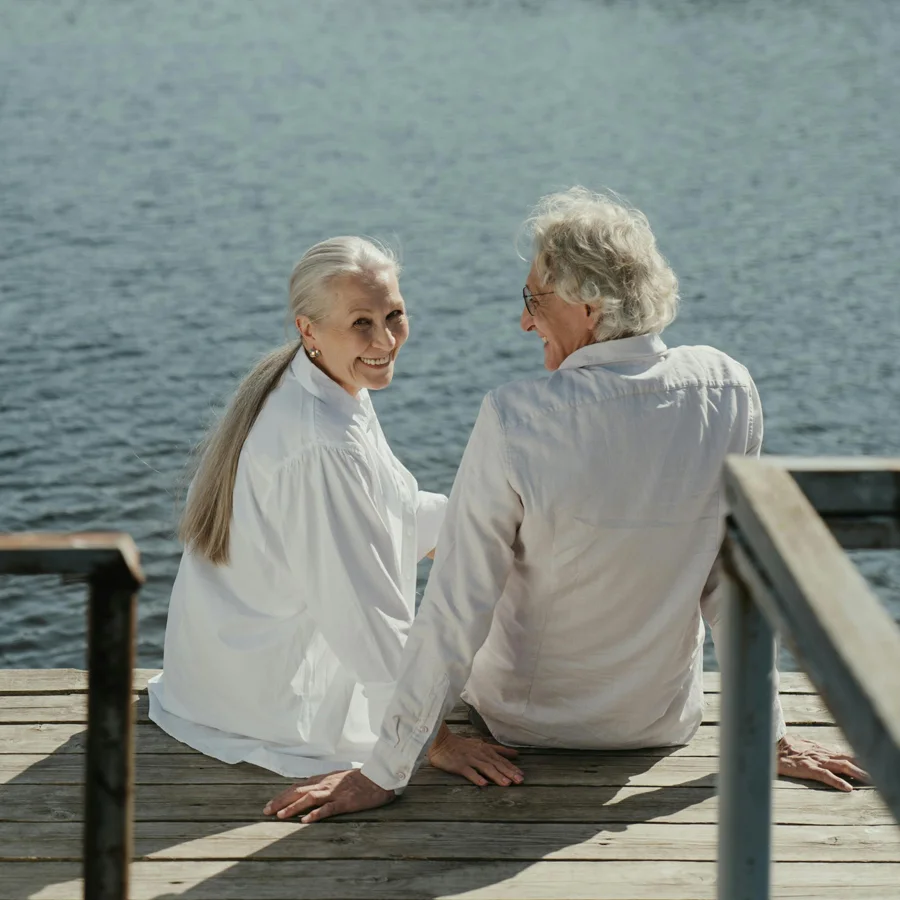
(340,548)
(430,512)
(712,598)
(473,561)
(711,607)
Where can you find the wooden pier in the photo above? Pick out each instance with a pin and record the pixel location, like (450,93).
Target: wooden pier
(584,825)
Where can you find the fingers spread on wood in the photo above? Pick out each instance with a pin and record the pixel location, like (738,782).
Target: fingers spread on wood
(845,767)
(473,776)
(322,812)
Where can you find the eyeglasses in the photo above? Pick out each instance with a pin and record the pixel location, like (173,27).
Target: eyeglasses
(528,297)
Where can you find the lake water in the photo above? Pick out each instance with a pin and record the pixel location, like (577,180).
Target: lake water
(163,165)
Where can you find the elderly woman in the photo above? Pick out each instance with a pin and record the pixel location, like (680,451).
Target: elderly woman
(302,532)
(573,572)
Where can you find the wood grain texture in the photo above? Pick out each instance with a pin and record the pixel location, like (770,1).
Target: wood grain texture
(799,709)
(684,803)
(562,769)
(649,817)
(70,738)
(449,840)
(73,681)
(424,880)
(78,554)
(807,587)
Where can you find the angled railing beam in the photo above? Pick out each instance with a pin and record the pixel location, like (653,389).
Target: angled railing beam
(815,597)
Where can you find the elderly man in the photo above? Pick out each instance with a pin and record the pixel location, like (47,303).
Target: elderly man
(576,563)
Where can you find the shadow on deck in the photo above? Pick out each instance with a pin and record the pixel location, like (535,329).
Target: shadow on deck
(649,818)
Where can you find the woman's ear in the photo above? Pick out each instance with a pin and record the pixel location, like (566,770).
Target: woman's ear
(304,327)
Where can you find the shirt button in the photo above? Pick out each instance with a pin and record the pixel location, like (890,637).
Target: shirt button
(422,729)
(402,773)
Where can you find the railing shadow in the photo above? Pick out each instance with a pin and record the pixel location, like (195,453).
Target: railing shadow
(400,849)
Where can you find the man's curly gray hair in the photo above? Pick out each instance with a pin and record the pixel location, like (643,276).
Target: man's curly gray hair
(592,248)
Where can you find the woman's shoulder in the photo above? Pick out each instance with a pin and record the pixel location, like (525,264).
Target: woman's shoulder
(294,423)
(344,460)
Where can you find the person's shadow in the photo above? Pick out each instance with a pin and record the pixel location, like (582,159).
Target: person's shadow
(442,835)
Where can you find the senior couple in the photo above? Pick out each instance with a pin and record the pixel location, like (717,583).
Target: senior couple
(574,564)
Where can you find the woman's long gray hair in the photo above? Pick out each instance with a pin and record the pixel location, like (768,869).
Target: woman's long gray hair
(206,523)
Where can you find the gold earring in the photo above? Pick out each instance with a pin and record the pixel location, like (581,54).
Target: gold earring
(314,353)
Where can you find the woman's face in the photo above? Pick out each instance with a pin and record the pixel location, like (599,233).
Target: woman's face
(362,334)
(563,327)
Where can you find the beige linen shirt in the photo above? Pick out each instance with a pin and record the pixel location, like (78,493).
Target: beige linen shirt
(583,525)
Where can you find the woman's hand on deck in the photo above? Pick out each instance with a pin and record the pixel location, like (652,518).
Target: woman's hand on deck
(477,760)
(800,758)
(328,795)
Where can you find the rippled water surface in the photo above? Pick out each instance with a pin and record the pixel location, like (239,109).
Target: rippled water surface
(163,165)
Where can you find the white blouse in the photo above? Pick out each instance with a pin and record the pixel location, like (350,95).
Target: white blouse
(287,656)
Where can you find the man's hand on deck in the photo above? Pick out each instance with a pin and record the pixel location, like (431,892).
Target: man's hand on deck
(329,795)
(800,758)
(474,759)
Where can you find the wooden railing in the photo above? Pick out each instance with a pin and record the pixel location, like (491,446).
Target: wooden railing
(787,574)
(110,564)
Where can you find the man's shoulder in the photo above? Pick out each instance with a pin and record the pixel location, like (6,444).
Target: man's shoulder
(517,398)
(700,365)
(708,364)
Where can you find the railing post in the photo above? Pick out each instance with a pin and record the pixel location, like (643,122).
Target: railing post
(111,564)
(110,757)
(747,753)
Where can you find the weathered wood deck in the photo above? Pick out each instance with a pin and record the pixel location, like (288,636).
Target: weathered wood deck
(585,825)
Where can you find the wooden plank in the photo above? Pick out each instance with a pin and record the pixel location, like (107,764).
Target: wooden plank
(47,708)
(448,840)
(69,738)
(591,769)
(418,880)
(571,769)
(838,486)
(78,555)
(59,681)
(73,681)
(819,601)
(870,533)
(459,803)
(858,498)
(799,709)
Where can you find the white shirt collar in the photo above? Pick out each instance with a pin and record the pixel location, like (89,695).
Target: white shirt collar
(605,353)
(328,391)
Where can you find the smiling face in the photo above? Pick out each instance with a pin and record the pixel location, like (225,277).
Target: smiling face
(563,327)
(363,332)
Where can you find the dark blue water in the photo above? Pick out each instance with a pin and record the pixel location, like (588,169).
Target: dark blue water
(163,165)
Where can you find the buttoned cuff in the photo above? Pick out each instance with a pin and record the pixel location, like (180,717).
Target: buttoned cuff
(390,777)
(392,765)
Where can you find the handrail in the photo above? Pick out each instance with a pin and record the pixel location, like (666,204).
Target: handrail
(110,563)
(786,573)
(858,497)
